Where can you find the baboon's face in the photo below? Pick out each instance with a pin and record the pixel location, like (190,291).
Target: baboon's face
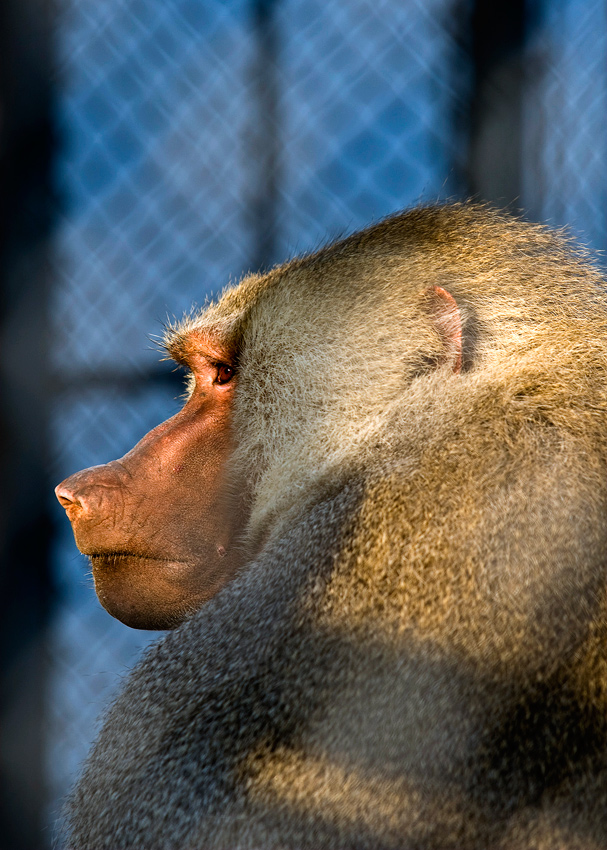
(156,524)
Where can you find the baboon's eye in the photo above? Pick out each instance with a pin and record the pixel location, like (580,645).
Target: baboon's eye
(225,373)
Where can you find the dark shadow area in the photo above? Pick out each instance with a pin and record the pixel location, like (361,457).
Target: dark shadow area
(27,211)
(497,34)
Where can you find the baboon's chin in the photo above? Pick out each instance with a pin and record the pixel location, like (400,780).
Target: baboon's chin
(147,593)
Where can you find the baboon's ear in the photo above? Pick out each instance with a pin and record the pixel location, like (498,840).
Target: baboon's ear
(446,318)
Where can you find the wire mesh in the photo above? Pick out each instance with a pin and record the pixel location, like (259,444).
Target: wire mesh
(153,110)
(565,120)
(369,93)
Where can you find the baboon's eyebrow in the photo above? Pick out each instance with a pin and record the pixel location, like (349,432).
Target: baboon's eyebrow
(176,344)
(183,342)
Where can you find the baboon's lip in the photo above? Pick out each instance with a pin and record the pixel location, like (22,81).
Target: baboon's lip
(116,555)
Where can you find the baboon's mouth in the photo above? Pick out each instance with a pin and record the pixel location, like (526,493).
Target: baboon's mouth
(115,558)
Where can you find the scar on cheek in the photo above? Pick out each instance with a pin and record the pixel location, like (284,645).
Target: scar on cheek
(221,551)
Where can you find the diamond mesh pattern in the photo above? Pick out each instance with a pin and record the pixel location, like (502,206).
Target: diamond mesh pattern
(368,98)
(154,111)
(565,120)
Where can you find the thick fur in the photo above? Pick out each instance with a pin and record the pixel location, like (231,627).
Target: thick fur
(417,655)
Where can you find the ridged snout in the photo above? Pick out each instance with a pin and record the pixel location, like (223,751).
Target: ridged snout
(91,498)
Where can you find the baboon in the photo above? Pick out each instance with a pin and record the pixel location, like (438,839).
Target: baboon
(378,532)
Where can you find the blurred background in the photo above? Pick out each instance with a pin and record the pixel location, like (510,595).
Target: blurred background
(153,150)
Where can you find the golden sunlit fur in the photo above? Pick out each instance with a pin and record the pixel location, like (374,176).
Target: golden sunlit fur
(417,657)
(323,382)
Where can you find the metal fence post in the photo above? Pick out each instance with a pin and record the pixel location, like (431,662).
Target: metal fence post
(265,141)
(495,148)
